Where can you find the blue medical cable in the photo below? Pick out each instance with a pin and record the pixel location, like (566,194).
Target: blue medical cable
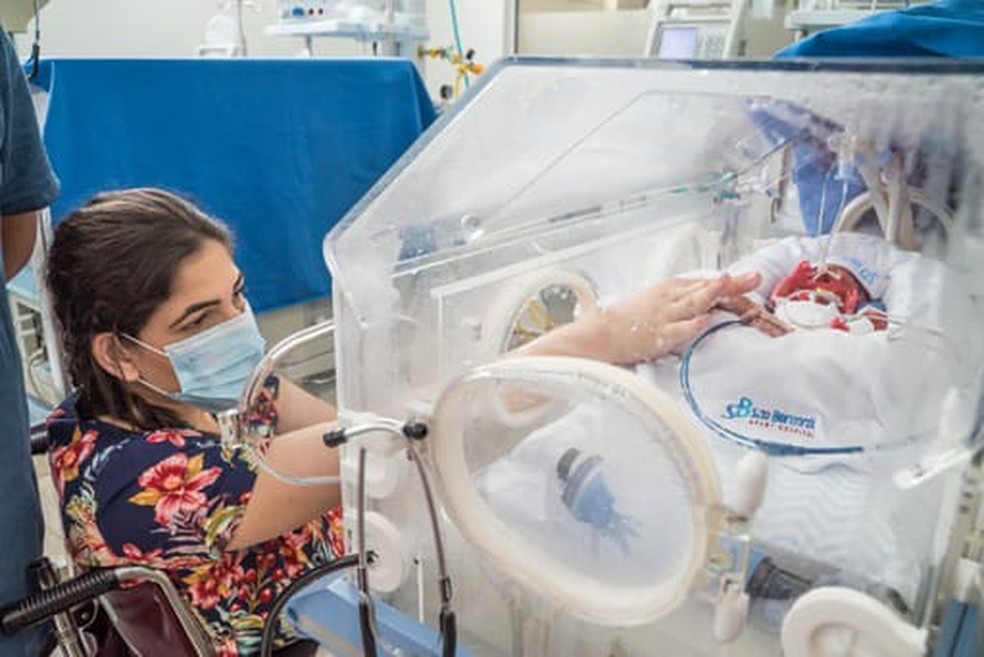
(457,34)
(770,448)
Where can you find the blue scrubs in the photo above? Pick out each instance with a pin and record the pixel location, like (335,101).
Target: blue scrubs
(26,183)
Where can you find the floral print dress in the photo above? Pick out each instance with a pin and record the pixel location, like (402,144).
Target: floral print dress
(171,499)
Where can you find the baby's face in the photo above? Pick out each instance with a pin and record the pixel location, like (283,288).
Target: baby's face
(829,284)
(810,297)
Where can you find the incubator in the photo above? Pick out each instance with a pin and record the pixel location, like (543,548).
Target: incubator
(812,493)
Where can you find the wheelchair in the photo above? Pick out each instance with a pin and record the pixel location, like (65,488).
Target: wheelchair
(137,610)
(144,611)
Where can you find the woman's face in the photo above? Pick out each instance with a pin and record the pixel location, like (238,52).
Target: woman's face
(207,290)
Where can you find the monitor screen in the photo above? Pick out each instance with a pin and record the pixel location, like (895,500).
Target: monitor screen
(677,43)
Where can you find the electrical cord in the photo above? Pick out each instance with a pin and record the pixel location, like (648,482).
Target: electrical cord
(270,628)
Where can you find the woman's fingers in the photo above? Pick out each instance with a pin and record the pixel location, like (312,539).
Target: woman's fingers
(741,284)
(700,299)
(676,288)
(696,302)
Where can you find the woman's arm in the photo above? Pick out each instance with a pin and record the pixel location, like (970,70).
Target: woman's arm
(298,408)
(645,325)
(638,328)
(275,507)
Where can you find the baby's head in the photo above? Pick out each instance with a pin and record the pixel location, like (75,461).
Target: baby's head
(827,284)
(824,296)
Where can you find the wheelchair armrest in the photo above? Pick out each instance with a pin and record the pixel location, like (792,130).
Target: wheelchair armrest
(63,596)
(57,599)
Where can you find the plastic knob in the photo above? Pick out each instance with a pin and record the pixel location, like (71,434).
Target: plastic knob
(751,475)
(391,565)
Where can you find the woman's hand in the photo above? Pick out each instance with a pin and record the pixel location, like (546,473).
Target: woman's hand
(645,325)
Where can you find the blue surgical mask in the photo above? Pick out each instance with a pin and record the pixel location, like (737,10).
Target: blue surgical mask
(213,366)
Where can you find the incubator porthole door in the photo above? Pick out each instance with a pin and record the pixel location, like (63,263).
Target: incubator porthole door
(580,482)
(536,305)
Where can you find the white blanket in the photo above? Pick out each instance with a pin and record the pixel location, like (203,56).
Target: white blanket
(880,393)
(824,390)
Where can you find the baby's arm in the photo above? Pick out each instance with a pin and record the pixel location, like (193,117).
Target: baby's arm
(755,314)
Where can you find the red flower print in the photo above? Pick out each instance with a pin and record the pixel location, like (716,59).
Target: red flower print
(174,436)
(134,554)
(336,531)
(174,486)
(291,550)
(65,461)
(227,647)
(211,583)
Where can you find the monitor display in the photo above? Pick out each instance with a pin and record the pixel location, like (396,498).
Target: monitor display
(677,43)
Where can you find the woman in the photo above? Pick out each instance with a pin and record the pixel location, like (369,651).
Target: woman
(158,335)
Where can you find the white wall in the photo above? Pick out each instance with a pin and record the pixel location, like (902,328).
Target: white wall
(156,28)
(593,32)
(175,28)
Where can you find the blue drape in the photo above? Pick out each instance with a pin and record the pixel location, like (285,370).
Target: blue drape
(278,149)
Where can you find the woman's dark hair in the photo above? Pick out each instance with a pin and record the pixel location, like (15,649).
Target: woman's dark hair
(111,264)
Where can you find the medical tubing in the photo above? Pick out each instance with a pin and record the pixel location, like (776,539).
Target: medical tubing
(36,45)
(449,632)
(266,366)
(59,598)
(360,521)
(311,576)
(766,446)
(445,581)
(241,27)
(319,480)
(367,628)
(412,432)
(457,34)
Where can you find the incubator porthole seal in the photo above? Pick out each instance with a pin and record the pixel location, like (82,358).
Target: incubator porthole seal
(608,603)
(837,621)
(534,305)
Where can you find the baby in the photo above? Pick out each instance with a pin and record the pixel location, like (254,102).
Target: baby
(813,297)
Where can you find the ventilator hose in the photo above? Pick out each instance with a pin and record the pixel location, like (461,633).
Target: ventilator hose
(59,598)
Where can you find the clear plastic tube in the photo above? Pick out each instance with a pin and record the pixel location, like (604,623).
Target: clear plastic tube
(255,456)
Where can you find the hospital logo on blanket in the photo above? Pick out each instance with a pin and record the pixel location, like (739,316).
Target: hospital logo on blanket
(755,416)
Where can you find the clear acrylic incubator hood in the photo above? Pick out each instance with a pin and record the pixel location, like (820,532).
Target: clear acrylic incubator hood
(746,494)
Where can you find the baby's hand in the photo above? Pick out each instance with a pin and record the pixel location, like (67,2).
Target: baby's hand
(754,314)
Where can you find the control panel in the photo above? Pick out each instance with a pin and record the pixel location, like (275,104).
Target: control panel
(691,41)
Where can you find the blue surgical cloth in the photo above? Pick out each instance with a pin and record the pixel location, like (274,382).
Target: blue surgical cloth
(277,149)
(26,184)
(950,28)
